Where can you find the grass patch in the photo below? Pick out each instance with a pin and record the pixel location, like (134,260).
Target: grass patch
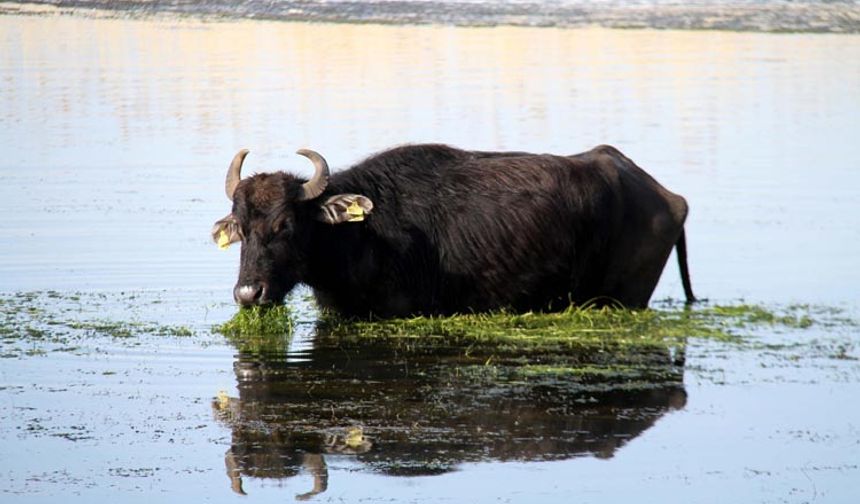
(259,329)
(63,320)
(577,336)
(273,320)
(568,328)
(592,347)
(622,326)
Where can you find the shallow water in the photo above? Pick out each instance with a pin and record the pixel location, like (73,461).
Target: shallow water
(116,135)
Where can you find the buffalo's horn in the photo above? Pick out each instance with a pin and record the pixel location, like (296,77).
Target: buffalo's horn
(234,173)
(316,185)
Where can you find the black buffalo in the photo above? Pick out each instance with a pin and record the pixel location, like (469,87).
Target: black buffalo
(431,229)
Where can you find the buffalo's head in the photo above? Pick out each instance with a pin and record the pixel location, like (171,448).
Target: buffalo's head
(272,215)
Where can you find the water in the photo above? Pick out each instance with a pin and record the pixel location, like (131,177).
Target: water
(116,135)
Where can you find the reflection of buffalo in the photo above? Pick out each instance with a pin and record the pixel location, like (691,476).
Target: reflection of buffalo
(425,412)
(263,454)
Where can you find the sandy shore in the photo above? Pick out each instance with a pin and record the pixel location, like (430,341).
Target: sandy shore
(736,15)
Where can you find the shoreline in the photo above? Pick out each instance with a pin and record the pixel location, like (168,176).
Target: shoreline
(745,16)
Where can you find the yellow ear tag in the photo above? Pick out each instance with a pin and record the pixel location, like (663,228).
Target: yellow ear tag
(355,212)
(223,240)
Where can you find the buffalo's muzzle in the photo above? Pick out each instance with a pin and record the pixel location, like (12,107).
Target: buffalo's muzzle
(248,295)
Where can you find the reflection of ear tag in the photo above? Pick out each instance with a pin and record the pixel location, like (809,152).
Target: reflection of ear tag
(354,438)
(355,212)
(223,399)
(223,240)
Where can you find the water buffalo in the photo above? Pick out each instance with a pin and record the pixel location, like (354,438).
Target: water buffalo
(431,229)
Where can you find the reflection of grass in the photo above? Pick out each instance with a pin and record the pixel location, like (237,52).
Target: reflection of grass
(585,370)
(614,369)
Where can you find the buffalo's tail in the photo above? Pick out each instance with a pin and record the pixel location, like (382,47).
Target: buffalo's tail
(681,246)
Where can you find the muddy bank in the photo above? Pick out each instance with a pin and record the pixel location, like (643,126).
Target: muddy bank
(745,15)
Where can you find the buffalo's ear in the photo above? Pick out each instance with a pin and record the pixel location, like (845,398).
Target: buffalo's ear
(226,231)
(345,208)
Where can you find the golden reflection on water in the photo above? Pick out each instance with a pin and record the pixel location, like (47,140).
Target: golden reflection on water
(350,87)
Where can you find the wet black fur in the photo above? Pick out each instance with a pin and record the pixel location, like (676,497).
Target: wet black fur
(456,231)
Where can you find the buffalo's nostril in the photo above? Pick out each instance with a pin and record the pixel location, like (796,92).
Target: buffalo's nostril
(247,295)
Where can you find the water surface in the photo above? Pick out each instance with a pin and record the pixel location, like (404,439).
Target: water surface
(116,135)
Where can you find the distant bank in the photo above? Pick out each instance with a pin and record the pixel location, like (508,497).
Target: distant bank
(810,16)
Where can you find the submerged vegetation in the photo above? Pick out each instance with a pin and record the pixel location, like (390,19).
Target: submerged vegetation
(38,322)
(35,323)
(594,344)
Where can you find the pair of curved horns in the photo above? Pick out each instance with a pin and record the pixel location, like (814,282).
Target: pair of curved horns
(310,189)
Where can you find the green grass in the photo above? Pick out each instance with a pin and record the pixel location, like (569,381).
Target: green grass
(62,320)
(725,322)
(273,320)
(577,329)
(595,347)
(563,328)
(567,330)
(259,329)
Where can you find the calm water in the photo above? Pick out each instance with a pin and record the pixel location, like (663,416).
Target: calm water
(115,139)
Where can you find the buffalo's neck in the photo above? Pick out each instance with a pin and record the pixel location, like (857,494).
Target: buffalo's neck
(340,265)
